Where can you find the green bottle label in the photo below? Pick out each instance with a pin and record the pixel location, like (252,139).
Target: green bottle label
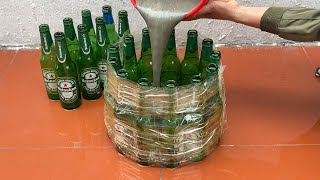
(46,42)
(101,39)
(50,80)
(62,52)
(85,44)
(103,70)
(90,80)
(67,88)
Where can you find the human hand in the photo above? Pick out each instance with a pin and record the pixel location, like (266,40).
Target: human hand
(217,9)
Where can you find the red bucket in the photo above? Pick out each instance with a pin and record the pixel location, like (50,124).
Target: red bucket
(190,14)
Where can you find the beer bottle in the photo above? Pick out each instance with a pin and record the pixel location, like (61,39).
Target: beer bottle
(107,15)
(102,48)
(71,38)
(87,20)
(217,52)
(207,45)
(48,61)
(123,73)
(130,61)
(67,76)
(215,58)
(145,69)
(190,64)
(88,68)
(211,71)
(123,25)
(114,57)
(170,63)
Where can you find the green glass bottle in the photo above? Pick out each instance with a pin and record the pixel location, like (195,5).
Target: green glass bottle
(211,71)
(88,67)
(123,73)
(71,38)
(66,74)
(107,15)
(130,60)
(123,24)
(217,52)
(215,58)
(170,63)
(114,57)
(207,45)
(145,69)
(48,61)
(190,64)
(87,20)
(102,48)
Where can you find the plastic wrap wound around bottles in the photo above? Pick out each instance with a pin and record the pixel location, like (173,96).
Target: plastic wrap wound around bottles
(166,127)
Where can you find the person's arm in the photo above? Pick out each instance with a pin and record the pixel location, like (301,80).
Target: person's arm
(298,24)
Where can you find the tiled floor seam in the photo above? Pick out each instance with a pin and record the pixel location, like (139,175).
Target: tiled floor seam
(58,147)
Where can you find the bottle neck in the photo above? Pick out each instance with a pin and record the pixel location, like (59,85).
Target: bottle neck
(206,52)
(70,32)
(46,42)
(62,51)
(114,54)
(88,22)
(123,26)
(85,43)
(171,47)
(192,47)
(102,35)
(108,17)
(146,44)
(130,53)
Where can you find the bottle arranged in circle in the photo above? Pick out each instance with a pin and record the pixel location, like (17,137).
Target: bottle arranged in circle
(145,69)
(102,48)
(123,73)
(123,23)
(130,60)
(114,57)
(87,20)
(215,58)
(190,63)
(71,39)
(107,15)
(207,49)
(170,63)
(211,71)
(88,67)
(66,74)
(48,61)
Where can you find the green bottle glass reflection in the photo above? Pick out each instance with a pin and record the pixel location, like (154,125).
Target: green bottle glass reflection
(102,48)
(48,61)
(114,57)
(217,52)
(207,45)
(145,69)
(123,24)
(215,58)
(66,74)
(190,64)
(170,62)
(87,20)
(211,71)
(107,15)
(88,67)
(71,38)
(123,73)
(130,61)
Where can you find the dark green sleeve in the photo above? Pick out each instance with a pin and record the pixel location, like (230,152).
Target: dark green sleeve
(298,24)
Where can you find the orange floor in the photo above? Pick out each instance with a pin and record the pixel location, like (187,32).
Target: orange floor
(273,132)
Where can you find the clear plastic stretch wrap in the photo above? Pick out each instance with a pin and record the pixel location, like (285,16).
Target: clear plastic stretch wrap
(164,127)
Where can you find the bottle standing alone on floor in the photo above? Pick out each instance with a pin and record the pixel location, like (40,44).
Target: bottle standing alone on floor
(190,63)
(145,69)
(87,20)
(67,76)
(107,15)
(170,63)
(102,48)
(48,61)
(130,60)
(88,67)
